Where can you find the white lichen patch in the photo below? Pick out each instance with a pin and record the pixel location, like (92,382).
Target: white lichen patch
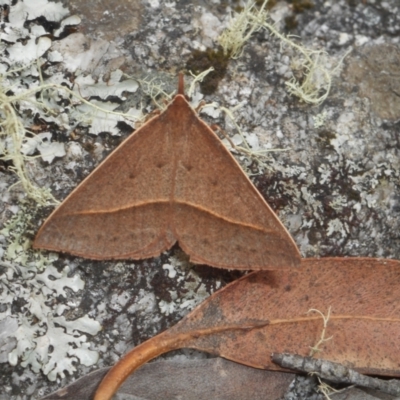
(167,308)
(100,116)
(337,226)
(39,336)
(28,10)
(171,270)
(319,119)
(146,302)
(86,86)
(28,52)
(209,26)
(192,290)
(32,90)
(42,142)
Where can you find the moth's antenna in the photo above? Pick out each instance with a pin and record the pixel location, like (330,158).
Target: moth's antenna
(181,84)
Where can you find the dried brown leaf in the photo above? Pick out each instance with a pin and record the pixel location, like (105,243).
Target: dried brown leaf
(266,312)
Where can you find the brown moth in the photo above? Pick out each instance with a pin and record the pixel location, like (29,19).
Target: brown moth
(171,181)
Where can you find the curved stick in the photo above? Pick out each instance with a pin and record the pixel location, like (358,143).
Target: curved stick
(160,344)
(138,356)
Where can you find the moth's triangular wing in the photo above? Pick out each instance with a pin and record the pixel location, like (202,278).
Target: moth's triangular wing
(220,217)
(122,209)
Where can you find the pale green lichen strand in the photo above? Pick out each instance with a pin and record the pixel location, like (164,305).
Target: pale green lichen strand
(313,66)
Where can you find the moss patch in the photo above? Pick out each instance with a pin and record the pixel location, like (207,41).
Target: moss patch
(202,60)
(301,5)
(298,6)
(291,22)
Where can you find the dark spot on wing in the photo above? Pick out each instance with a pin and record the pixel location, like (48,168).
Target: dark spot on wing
(214,182)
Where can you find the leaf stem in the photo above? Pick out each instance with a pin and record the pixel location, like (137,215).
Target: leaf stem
(138,356)
(164,342)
